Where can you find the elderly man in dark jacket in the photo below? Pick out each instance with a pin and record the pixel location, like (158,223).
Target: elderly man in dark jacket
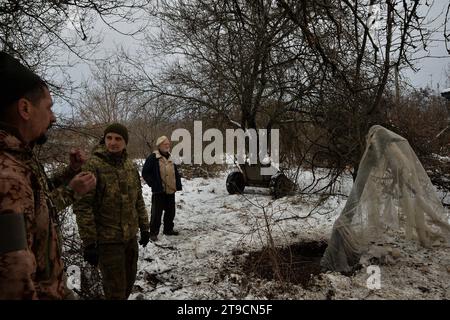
(161,174)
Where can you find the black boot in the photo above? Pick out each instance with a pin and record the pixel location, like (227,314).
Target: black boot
(171,233)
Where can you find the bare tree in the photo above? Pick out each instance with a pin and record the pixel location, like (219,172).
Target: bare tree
(105,99)
(50,36)
(108,97)
(230,58)
(316,67)
(360,62)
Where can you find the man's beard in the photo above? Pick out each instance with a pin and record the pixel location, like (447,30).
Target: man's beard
(43,138)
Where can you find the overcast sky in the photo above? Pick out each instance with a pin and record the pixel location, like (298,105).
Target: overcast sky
(434,70)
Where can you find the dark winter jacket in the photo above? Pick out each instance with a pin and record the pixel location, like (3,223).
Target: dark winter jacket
(152,174)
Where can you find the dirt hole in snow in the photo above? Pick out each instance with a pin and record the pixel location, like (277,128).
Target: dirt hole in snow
(294,264)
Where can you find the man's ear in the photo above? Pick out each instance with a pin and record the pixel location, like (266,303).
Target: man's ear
(24,108)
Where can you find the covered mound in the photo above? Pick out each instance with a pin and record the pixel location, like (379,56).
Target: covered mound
(391,194)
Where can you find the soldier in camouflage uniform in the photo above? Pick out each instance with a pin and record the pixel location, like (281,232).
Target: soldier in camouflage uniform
(30,250)
(109,217)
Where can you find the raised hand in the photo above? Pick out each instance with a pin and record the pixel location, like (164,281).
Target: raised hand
(83,182)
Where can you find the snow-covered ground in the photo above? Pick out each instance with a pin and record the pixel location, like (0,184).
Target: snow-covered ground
(218,230)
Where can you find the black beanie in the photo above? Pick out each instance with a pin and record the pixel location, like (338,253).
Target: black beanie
(119,129)
(16,80)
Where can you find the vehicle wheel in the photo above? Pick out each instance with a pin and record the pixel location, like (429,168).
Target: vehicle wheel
(235,182)
(280,185)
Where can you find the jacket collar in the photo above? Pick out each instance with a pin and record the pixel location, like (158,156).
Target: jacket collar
(101,152)
(159,155)
(10,140)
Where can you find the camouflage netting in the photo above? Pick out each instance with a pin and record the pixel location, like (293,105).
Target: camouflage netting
(392,195)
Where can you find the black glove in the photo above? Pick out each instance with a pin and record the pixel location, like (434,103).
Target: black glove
(145,238)
(91,254)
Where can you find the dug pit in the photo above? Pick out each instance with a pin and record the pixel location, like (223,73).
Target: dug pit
(294,264)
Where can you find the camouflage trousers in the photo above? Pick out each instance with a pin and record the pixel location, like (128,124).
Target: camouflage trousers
(118,266)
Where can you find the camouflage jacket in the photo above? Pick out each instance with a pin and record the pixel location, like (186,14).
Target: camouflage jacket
(115,209)
(30,251)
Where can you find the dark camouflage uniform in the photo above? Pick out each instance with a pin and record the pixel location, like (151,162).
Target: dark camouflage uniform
(111,216)
(35,270)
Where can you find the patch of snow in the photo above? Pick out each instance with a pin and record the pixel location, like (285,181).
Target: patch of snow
(213,226)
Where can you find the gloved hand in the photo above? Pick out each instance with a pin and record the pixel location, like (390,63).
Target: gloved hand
(145,238)
(91,254)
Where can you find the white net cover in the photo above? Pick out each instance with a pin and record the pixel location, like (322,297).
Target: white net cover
(392,195)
